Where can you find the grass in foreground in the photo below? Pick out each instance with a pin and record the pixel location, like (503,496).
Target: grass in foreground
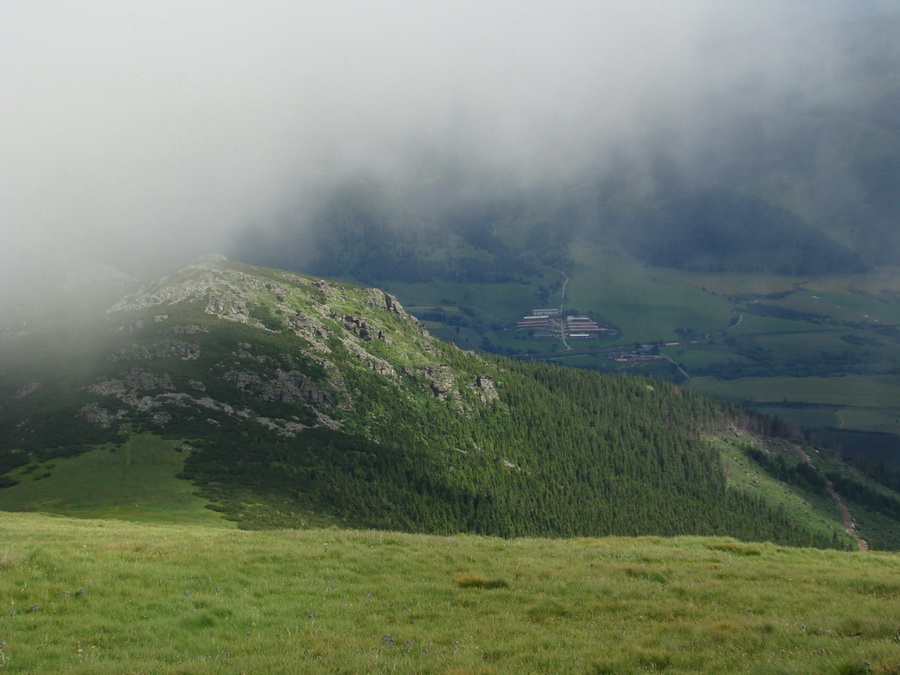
(112,597)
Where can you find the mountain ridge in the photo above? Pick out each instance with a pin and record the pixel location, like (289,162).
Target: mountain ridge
(303,402)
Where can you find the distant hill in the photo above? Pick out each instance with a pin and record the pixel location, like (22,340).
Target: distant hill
(296,401)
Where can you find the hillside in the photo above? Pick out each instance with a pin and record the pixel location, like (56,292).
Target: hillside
(299,402)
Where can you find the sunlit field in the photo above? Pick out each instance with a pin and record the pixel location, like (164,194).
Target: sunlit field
(87,596)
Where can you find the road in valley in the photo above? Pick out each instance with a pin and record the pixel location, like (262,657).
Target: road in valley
(562,306)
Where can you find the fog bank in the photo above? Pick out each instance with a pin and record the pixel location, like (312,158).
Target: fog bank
(140,132)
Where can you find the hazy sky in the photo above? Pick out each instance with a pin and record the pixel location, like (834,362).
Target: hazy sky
(143,130)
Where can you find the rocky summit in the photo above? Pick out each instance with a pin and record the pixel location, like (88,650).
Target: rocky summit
(173,363)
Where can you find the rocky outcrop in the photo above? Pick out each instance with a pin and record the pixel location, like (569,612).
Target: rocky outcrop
(228,306)
(287,387)
(440,380)
(225,292)
(306,324)
(29,388)
(134,382)
(167,349)
(485,388)
(191,329)
(200,282)
(370,361)
(243,352)
(281,427)
(279,292)
(381,300)
(361,329)
(338,327)
(358,327)
(94,414)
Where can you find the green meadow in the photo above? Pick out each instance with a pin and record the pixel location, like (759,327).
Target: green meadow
(91,596)
(646,304)
(134,481)
(850,390)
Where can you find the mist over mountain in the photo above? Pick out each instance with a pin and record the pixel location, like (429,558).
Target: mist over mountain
(146,133)
(765,174)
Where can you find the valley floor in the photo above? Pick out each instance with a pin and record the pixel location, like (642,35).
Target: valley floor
(92,596)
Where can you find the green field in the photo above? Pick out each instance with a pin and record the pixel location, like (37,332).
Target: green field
(86,596)
(766,325)
(136,481)
(645,303)
(862,392)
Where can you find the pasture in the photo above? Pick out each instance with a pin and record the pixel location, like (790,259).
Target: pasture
(86,596)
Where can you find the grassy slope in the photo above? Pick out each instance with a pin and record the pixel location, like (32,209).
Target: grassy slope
(174,599)
(814,511)
(134,482)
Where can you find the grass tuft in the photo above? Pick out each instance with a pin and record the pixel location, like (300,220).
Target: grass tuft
(645,574)
(469,580)
(12,559)
(734,547)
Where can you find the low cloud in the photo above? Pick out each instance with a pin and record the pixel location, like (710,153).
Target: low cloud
(140,132)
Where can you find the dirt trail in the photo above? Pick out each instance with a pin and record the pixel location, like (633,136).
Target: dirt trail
(849,525)
(846,516)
